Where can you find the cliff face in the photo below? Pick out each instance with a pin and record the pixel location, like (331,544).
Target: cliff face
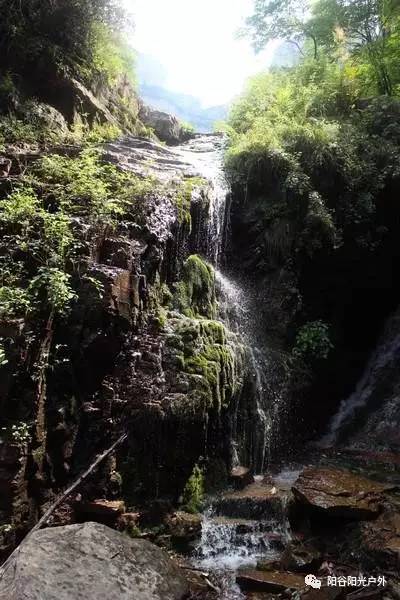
(140,351)
(321,250)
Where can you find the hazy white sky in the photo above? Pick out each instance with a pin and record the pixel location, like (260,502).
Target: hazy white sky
(195,42)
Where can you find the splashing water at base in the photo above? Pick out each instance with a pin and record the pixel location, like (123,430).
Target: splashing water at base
(232,543)
(228,544)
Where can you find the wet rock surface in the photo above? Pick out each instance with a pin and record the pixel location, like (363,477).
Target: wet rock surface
(273,581)
(94,562)
(339,493)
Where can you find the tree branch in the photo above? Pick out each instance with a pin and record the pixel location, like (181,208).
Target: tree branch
(61,499)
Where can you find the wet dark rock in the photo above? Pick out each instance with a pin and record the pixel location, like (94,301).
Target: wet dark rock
(184,525)
(184,530)
(259,500)
(325,592)
(268,565)
(269,581)
(339,493)
(91,561)
(241,477)
(103,511)
(380,540)
(120,290)
(300,558)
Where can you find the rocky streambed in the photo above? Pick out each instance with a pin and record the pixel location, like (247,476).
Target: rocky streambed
(334,519)
(258,539)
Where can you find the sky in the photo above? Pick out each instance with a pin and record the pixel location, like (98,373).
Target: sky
(194,40)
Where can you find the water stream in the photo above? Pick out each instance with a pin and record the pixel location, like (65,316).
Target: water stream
(228,542)
(368,417)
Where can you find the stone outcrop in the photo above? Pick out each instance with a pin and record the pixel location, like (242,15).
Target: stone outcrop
(139,352)
(274,582)
(339,493)
(44,116)
(90,561)
(166,127)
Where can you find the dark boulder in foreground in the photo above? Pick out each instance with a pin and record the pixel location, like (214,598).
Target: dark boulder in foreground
(90,562)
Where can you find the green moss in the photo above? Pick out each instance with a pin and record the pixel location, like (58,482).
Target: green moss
(195,293)
(193,493)
(211,358)
(183,198)
(133,531)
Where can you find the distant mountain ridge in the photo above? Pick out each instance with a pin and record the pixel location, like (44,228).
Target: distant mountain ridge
(154,92)
(187,108)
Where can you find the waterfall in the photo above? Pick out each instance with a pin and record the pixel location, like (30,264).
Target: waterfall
(205,153)
(370,415)
(238,310)
(238,306)
(230,541)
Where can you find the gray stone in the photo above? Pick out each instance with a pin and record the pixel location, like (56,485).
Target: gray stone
(90,105)
(45,116)
(166,127)
(91,562)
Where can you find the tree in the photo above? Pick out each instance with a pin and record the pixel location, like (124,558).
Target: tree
(283,19)
(40,34)
(364,28)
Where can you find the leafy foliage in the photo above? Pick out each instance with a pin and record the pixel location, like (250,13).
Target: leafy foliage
(42,248)
(360,35)
(77,36)
(193,493)
(313,341)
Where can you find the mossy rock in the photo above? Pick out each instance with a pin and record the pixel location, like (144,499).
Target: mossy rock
(210,357)
(195,293)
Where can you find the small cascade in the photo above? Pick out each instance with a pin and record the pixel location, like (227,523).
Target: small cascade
(205,153)
(371,414)
(229,543)
(244,527)
(238,308)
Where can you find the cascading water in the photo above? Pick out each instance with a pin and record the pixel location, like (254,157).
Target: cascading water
(371,414)
(205,153)
(238,308)
(227,543)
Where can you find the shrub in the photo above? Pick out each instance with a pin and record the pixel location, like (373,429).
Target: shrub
(193,493)
(53,285)
(313,341)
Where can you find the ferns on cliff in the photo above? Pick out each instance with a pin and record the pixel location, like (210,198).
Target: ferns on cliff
(44,249)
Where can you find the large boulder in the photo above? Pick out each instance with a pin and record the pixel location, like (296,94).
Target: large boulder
(90,562)
(339,493)
(166,127)
(44,116)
